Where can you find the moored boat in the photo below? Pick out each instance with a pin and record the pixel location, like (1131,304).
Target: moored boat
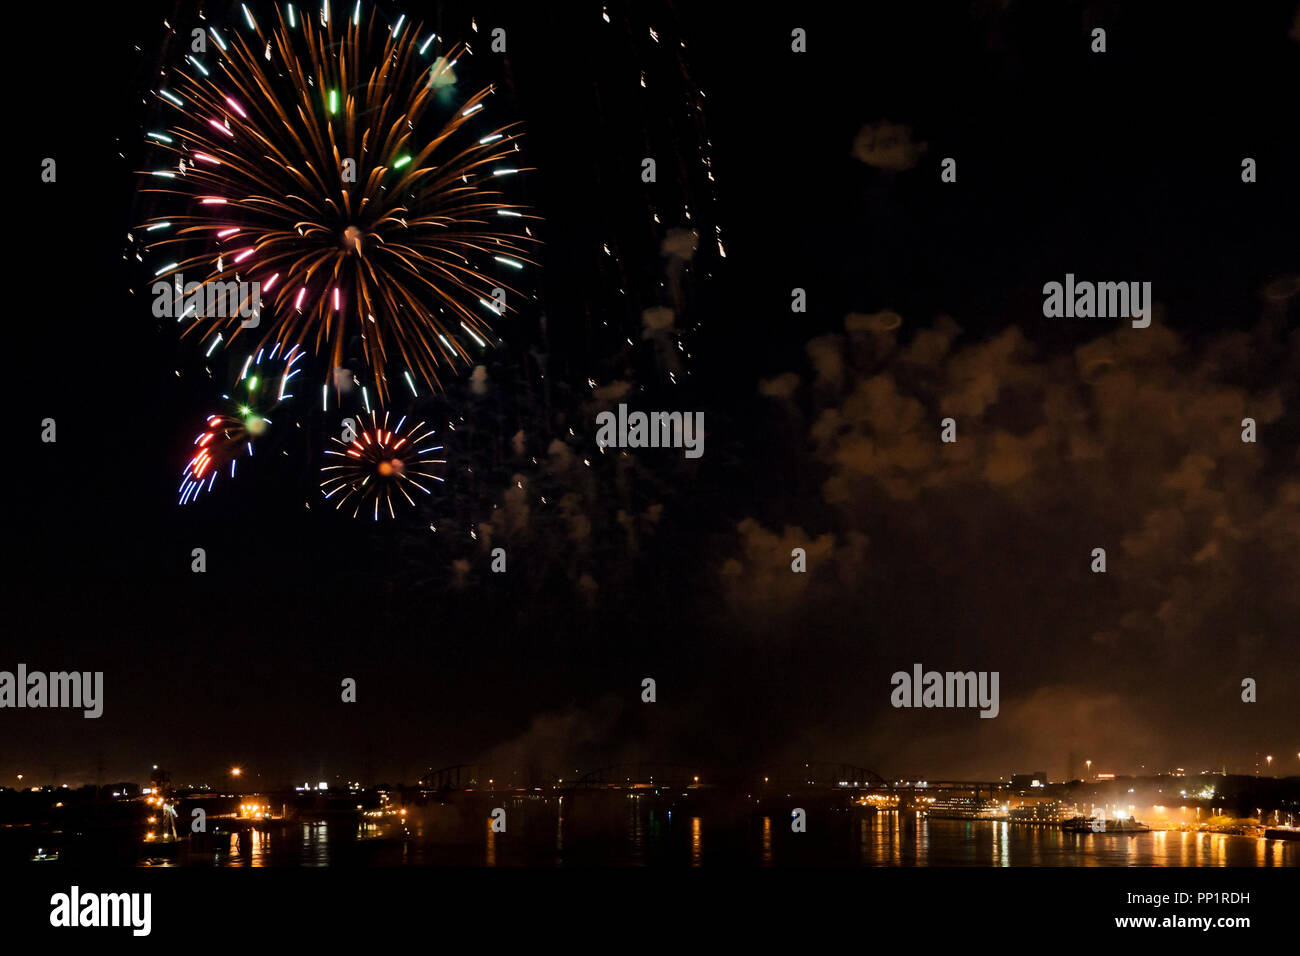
(1100,824)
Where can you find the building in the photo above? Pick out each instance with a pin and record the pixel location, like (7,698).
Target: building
(1040,811)
(1029,781)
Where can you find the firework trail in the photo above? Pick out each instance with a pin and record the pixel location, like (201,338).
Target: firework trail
(264,385)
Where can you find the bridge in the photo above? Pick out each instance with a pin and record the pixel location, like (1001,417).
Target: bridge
(465,776)
(811,775)
(822,775)
(615,776)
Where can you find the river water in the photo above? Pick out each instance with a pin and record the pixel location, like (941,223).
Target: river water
(641,835)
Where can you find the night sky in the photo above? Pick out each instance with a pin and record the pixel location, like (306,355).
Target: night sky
(822,428)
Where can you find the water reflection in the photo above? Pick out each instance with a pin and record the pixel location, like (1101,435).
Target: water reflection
(637,823)
(640,833)
(249,848)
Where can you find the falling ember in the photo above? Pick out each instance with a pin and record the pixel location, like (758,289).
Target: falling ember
(403,240)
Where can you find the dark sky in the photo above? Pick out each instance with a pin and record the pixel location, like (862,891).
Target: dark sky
(821,428)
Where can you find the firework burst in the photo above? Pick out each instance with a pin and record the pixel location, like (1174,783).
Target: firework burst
(264,385)
(378,462)
(317,158)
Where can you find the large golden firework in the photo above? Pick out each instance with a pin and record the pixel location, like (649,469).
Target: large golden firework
(320,160)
